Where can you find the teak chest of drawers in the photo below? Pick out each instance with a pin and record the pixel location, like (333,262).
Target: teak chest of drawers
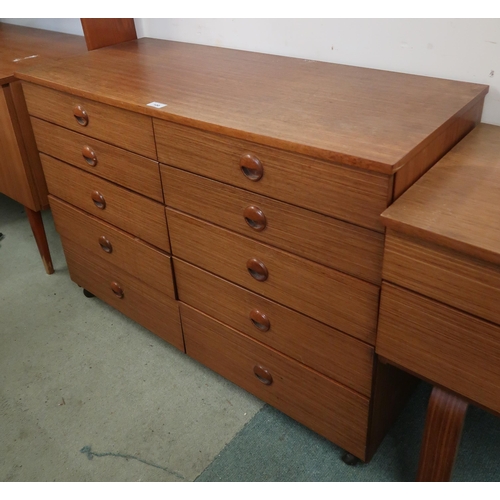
(439,316)
(270,174)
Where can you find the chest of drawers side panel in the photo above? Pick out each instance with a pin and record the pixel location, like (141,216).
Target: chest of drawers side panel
(326,407)
(129,211)
(350,194)
(120,127)
(332,297)
(328,241)
(453,278)
(441,344)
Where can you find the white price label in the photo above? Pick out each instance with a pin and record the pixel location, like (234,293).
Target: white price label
(157,105)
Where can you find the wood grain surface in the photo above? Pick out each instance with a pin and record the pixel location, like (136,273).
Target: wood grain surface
(142,303)
(328,408)
(130,211)
(107,31)
(310,342)
(356,116)
(337,299)
(441,344)
(456,203)
(128,169)
(328,241)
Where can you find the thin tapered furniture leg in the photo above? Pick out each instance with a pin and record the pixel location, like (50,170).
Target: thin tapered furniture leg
(36,223)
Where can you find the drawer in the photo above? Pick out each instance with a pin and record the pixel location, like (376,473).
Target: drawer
(332,297)
(129,211)
(129,130)
(346,193)
(115,164)
(441,344)
(326,407)
(114,246)
(153,310)
(314,344)
(328,241)
(461,281)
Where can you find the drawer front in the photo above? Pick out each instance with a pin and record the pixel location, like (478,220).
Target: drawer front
(464,282)
(328,241)
(129,211)
(334,298)
(349,194)
(314,344)
(114,246)
(439,343)
(326,407)
(140,302)
(115,164)
(129,130)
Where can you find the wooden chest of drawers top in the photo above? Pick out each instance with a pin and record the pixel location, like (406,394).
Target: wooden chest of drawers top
(371,119)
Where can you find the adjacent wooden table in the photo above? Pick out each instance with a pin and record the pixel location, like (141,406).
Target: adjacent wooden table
(439,314)
(21,176)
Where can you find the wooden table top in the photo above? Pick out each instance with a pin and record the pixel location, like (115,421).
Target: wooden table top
(457,202)
(22,47)
(372,119)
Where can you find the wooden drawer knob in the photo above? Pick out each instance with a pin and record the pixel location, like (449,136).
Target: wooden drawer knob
(263,374)
(89,156)
(251,167)
(98,200)
(255,218)
(117,290)
(260,320)
(105,244)
(257,270)
(81,116)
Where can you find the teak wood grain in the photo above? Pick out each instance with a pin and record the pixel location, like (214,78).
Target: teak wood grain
(122,250)
(361,117)
(107,31)
(314,344)
(332,297)
(456,203)
(467,283)
(321,404)
(342,246)
(116,126)
(130,170)
(140,302)
(441,344)
(349,194)
(129,211)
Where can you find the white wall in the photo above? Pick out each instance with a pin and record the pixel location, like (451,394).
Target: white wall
(458,49)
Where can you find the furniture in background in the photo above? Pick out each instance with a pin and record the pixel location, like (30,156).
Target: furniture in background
(21,175)
(230,202)
(439,314)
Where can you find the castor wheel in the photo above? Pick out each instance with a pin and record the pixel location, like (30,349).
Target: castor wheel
(88,294)
(350,459)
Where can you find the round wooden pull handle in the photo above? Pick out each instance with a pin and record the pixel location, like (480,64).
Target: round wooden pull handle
(255,218)
(81,116)
(260,320)
(89,156)
(117,290)
(105,244)
(263,374)
(257,270)
(251,167)
(98,200)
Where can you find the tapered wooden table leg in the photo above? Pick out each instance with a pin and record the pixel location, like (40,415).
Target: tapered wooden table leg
(36,223)
(443,430)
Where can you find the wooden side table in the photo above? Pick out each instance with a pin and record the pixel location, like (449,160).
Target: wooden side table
(439,315)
